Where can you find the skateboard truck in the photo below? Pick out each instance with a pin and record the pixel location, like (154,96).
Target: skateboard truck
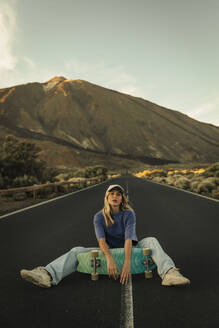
(146,252)
(95,263)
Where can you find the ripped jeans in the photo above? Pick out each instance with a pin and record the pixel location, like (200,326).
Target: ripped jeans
(67,263)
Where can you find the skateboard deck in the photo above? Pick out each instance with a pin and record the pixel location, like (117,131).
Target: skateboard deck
(86,261)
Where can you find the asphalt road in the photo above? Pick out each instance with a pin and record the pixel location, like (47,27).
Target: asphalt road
(186,225)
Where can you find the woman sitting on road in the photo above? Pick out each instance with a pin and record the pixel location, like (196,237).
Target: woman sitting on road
(115,228)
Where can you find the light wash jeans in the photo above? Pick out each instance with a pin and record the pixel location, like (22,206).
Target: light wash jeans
(67,263)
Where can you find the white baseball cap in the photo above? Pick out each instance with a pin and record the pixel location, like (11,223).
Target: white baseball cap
(116,186)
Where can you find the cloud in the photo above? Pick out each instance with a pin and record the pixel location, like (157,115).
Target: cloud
(15,69)
(207,110)
(7,32)
(26,72)
(113,77)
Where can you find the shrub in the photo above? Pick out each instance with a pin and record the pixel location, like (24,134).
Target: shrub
(215,193)
(25,181)
(212,171)
(159,179)
(47,175)
(80,173)
(157,173)
(182,182)
(199,180)
(1,182)
(45,192)
(205,186)
(194,184)
(213,180)
(63,177)
(90,172)
(93,171)
(20,196)
(190,176)
(206,193)
(19,159)
(172,178)
(7,182)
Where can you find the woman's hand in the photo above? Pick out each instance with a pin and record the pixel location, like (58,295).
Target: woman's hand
(126,270)
(112,268)
(125,274)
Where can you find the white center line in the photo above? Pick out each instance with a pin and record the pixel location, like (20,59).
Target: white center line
(126,315)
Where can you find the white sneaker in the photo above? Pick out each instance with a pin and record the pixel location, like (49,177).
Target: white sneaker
(38,276)
(174,278)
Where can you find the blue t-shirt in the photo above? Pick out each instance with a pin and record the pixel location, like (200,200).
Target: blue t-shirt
(116,234)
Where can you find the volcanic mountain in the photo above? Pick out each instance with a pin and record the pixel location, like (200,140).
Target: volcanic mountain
(94,124)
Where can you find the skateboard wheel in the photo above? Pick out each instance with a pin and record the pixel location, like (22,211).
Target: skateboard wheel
(148,274)
(94,276)
(94,253)
(146,251)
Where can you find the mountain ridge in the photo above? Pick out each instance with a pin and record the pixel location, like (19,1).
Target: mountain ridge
(106,121)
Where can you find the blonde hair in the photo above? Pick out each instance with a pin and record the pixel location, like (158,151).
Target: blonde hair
(107,212)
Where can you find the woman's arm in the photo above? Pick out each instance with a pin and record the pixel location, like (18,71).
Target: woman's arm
(126,270)
(130,235)
(128,251)
(111,266)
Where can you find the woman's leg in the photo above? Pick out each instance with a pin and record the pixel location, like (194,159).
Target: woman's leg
(65,264)
(161,259)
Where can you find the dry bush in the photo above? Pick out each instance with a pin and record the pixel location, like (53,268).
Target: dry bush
(171,179)
(215,193)
(213,180)
(62,177)
(159,179)
(203,181)
(205,187)
(212,170)
(194,183)
(158,173)
(182,182)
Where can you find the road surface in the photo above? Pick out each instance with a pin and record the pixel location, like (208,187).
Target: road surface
(186,225)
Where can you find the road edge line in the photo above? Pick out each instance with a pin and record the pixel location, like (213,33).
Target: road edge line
(50,200)
(189,192)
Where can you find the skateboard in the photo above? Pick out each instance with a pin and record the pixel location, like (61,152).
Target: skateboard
(94,262)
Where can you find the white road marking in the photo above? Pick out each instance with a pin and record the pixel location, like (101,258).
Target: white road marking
(180,189)
(126,315)
(50,200)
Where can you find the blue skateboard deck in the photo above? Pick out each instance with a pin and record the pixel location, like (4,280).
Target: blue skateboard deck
(86,261)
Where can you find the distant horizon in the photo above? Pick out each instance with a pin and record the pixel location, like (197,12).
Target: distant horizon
(165,52)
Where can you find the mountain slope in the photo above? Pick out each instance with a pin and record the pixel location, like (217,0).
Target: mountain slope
(105,121)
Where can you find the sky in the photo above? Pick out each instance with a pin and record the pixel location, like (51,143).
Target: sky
(165,51)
